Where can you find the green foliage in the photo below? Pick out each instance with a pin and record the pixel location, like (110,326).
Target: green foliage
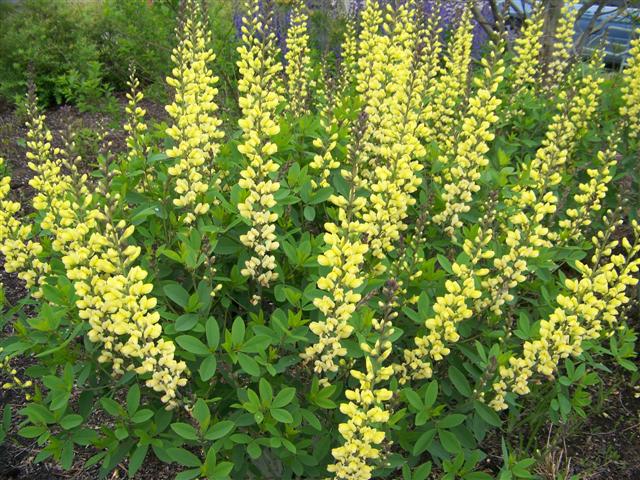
(252,408)
(47,40)
(80,52)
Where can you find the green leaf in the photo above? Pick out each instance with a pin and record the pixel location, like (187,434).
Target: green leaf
(281,415)
(32,431)
(112,407)
(321,195)
(201,413)
(422,472)
(414,399)
(445,263)
(208,368)
(248,364)
(142,415)
(311,418)
(237,331)
(136,460)
(487,414)
(256,344)
(66,455)
(266,392)
(213,333)
(70,421)
(254,450)
(192,344)
(449,441)
(59,400)
(219,430)
(451,421)
(284,397)
(189,474)
(221,470)
(177,293)
(309,213)
(431,394)
(423,442)
(459,381)
(477,476)
(185,430)
(183,457)
(186,322)
(133,399)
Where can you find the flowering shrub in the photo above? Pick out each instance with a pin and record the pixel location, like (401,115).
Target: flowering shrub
(387,261)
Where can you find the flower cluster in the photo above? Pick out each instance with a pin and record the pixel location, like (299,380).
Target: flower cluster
(114,299)
(195,130)
(298,63)
(592,192)
(464,169)
(443,112)
(344,257)
(455,306)
(592,302)
(365,411)
(261,94)
(631,89)
(372,224)
(397,148)
(112,295)
(19,251)
(527,50)
(334,98)
(136,128)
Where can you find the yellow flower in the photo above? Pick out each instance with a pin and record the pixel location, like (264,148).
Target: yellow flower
(196,128)
(362,431)
(468,157)
(261,94)
(136,128)
(631,88)
(527,48)
(297,60)
(591,303)
(442,113)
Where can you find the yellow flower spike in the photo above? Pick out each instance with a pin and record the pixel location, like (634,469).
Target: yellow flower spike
(196,128)
(136,128)
(592,192)
(535,198)
(469,156)
(298,62)
(449,310)
(591,303)
(20,253)
(362,432)
(631,89)
(441,116)
(260,96)
(386,166)
(527,48)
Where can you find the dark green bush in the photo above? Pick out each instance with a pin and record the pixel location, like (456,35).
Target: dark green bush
(81,53)
(47,40)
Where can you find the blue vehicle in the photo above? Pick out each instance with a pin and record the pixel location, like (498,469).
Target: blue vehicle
(609,28)
(611,25)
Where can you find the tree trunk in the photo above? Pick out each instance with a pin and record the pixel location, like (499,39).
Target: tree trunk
(553,9)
